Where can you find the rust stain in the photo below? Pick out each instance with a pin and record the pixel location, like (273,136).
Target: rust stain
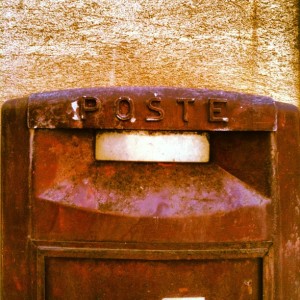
(133,189)
(248,284)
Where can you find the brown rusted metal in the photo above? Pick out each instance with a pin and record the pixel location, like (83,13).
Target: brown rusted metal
(77,228)
(152,109)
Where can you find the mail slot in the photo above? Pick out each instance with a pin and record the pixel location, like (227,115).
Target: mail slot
(150,193)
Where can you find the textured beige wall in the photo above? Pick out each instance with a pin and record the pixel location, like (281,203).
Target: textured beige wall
(237,45)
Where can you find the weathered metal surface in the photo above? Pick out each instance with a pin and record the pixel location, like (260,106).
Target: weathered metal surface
(15,165)
(162,199)
(190,267)
(288,233)
(156,280)
(77,228)
(151,108)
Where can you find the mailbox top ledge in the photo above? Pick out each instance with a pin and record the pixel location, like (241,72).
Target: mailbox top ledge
(152,108)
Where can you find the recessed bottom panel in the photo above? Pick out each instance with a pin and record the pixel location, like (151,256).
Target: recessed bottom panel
(105,279)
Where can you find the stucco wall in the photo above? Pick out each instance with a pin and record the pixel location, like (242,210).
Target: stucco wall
(237,45)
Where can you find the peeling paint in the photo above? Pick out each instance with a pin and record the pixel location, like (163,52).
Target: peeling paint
(75,107)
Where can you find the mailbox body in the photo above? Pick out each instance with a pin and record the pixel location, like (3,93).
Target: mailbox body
(77,228)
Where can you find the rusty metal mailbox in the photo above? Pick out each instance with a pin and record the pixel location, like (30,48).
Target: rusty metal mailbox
(150,193)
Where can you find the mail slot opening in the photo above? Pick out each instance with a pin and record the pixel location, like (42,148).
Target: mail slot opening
(147,146)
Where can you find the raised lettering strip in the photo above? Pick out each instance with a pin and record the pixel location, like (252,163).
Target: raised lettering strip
(151,108)
(152,146)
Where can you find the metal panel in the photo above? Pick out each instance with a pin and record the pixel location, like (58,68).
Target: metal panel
(56,243)
(155,108)
(219,271)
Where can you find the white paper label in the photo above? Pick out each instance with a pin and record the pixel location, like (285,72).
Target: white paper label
(185,298)
(152,146)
